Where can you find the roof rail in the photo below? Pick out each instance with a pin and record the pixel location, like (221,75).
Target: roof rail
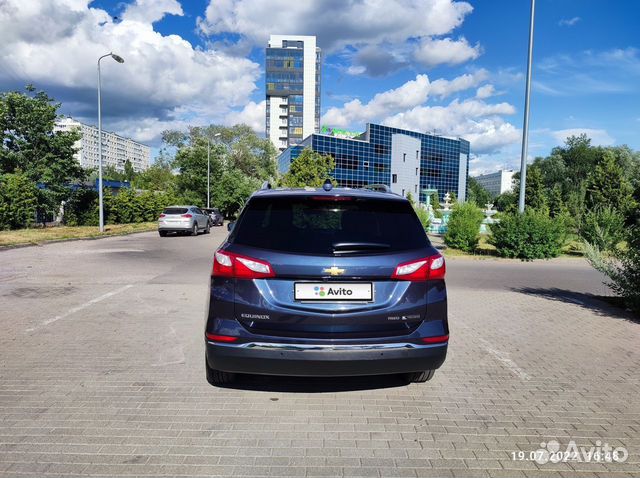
(381,188)
(266,185)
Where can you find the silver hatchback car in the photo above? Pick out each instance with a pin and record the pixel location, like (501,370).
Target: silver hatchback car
(189,219)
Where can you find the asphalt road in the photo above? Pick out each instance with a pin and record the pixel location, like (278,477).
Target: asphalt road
(101,373)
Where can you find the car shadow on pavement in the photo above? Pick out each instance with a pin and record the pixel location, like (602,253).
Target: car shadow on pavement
(266,383)
(603,306)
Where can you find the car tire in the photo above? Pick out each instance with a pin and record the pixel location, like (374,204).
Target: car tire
(194,231)
(218,377)
(420,377)
(162,233)
(207,230)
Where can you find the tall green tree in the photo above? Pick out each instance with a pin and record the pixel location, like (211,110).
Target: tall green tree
(477,193)
(31,146)
(309,169)
(607,185)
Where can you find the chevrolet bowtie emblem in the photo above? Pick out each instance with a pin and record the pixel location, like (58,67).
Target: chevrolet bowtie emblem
(334,271)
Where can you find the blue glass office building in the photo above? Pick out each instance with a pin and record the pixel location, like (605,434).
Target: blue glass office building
(407,161)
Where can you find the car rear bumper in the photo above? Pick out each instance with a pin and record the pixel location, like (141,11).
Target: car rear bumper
(267,358)
(178,226)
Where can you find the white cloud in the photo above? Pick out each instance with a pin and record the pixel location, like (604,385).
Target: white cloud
(375,30)
(485,91)
(433,52)
(253,114)
(150,11)
(569,22)
(164,80)
(404,107)
(598,136)
(411,94)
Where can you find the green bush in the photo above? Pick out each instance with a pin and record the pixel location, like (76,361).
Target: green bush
(603,227)
(18,201)
(622,268)
(82,208)
(528,236)
(423,215)
(463,228)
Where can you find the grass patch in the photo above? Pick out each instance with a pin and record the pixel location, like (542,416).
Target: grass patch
(61,233)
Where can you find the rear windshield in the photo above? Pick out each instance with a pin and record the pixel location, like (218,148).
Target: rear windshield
(315,225)
(175,210)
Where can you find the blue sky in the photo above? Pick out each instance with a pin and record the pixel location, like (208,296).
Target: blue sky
(453,67)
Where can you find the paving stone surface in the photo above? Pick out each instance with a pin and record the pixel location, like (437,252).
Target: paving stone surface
(102,374)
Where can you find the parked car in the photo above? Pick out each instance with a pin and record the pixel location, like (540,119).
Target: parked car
(183,219)
(326,283)
(215,216)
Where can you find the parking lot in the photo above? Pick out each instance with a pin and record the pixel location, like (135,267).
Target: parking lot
(102,373)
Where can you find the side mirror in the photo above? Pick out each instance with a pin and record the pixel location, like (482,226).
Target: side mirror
(230,225)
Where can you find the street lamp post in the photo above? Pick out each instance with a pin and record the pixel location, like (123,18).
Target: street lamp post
(100,198)
(525,127)
(209,169)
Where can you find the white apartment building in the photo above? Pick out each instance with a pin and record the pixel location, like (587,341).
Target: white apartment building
(293,72)
(498,182)
(116,150)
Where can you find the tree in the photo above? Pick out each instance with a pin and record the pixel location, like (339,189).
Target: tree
(18,201)
(477,193)
(607,185)
(157,177)
(231,191)
(535,190)
(31,146)
(129,173)
(309,169)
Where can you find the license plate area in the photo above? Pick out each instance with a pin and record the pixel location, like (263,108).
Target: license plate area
(333,291)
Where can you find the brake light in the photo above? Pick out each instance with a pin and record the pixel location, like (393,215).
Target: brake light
(228,264)
(162,215)
(331,198)
(220,338)
(428,268)
(187,215)
(440,339)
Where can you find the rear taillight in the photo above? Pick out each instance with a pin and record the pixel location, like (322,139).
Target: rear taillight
(440,339)
(162,215)
(428,268)
(187,215)
(227,264)
(220,338)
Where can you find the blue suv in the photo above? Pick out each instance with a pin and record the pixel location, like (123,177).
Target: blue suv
(326,282)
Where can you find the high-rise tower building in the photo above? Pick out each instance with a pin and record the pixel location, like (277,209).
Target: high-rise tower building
(293,69)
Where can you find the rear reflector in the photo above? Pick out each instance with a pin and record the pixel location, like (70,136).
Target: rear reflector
(427,268)
(228,264)
(440,339)
(220,338)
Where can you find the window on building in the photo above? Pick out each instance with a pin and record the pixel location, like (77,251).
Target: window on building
(404,157)
(394,179)
(365,164)
(417,171)
(415,186)
(403,192)
(417,154)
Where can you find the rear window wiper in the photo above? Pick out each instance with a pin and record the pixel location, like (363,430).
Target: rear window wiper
(346,247)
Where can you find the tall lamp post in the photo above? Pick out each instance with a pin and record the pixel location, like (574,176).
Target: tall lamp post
(209,169)
(100,198)
(525,128)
